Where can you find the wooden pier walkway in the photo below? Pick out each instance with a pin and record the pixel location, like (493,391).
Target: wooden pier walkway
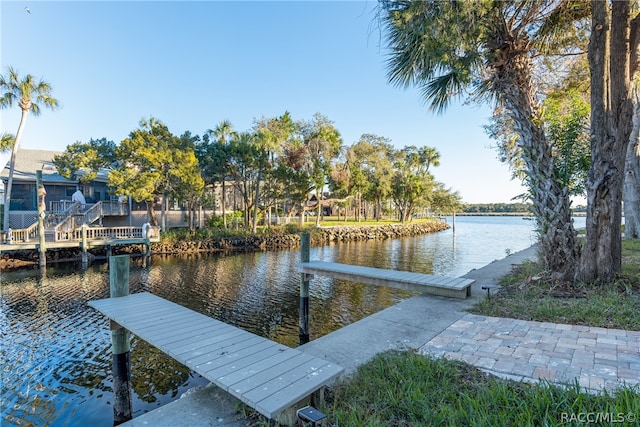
(437,285)
(265,375)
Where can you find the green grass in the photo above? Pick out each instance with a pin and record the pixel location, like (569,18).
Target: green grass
(529,295)
(333,221)
(407,389)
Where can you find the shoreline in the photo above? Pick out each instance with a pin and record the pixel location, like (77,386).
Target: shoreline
(322,236)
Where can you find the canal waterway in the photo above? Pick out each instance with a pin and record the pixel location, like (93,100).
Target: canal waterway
(55,350)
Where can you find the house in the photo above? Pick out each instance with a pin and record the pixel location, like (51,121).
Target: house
(23,205)
(59,191)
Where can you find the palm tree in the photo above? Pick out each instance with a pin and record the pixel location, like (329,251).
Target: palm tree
(223,131)
(429,156)
(30,95)
(488,50)
(6,142)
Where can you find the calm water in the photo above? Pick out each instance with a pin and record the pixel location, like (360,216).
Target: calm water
(56,350)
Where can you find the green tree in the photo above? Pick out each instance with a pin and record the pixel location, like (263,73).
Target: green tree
(153,162)
(213,159)
(244,161)
(187,183)
(293,172)
(567,127)
(358,184)
(322,142)
(30,95)
(487,50)
(412,185)
(83,161)
(611,124)
(375,156)
(445,200)
(271,135)
(223,132)
(567,121)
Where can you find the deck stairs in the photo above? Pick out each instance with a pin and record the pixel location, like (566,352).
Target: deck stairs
(65,216)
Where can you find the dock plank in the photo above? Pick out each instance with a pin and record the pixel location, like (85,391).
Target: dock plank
(255,366)
(241,359)
(437,285)
(242,388)
(265,375)
(264,390)
(215,351)
(283,396)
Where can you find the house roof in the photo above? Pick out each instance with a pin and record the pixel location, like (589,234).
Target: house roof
(29,161)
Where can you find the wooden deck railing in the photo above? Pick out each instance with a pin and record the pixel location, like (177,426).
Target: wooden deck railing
(115,209)
(62,207)
(101,233)
(24,234)
(92,214)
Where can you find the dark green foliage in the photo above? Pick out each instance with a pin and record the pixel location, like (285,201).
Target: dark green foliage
(82,160)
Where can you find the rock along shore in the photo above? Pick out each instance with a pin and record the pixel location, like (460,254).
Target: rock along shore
(319,236)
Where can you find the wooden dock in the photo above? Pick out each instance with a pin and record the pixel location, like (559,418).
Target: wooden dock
(75,244)
(263,374)
(427,283)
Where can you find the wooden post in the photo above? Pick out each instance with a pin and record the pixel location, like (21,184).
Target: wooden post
(120,347)
(305,244)
(147,241)
(42,249)
(85,258)
(454,222)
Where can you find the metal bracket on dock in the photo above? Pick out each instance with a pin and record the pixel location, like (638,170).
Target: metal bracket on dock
(308,276)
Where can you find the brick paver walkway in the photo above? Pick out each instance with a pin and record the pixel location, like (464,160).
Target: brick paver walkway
(599,358)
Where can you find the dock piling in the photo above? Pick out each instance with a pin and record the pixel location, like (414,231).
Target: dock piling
(146,235)
(120,337)
(85,258)
(305,244)
(42,249)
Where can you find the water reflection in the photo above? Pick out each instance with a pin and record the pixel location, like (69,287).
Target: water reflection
(56,350)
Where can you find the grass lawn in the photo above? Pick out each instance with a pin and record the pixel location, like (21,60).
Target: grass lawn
(407,389)
(334,221)
(527,294)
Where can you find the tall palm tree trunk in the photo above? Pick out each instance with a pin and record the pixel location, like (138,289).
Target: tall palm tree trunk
(551,204)
(12,164)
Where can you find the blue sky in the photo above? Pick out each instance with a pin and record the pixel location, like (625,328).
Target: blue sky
(193,64)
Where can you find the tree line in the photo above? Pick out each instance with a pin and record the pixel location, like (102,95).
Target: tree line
(497,207)
(277,165)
